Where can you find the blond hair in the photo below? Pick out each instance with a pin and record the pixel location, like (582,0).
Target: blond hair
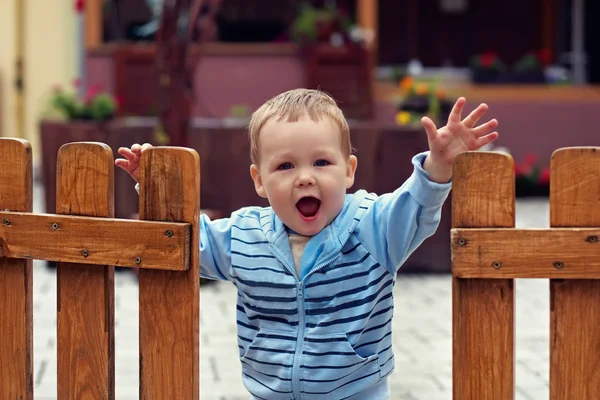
(290,106)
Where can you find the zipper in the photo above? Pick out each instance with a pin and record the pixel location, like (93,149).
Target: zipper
(300,336)
(299,343)
(301,329)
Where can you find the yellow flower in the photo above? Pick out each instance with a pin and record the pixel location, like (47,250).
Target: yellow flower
(402,118)
(421,89)
(406,83)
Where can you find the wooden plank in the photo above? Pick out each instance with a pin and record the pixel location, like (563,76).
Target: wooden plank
(115,242)
(559,253)
(16,284)
(85,338)
(169,301)
(93,17)
(483,309)
(575,304)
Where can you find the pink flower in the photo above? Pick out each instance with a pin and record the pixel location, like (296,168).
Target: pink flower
(79,6)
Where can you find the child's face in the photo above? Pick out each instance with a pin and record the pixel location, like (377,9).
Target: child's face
(303,172)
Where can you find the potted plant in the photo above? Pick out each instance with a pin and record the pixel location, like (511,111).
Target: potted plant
(530,68)
(96,105)
(486,67)
(318,25)
(422,99)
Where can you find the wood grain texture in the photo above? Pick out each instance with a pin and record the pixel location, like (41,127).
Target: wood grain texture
(89,240)
(483,309)
(169,301)
(575,304)
(16,283)
(559,253)
(85,338)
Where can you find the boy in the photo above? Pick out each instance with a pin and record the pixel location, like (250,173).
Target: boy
(315,270)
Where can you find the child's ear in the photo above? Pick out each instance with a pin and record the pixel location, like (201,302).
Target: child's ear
(258,185)
(350,170)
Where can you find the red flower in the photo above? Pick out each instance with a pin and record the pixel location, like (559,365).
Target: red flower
(518,170)
(488,58)
(79,6)
(545,56)
(118,101)
(77,83)
(544,178)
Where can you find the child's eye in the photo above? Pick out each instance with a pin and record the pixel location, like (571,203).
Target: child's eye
(285,165)
(321,163)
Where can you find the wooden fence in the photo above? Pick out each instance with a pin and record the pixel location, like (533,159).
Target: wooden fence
(87,242)
(488,253)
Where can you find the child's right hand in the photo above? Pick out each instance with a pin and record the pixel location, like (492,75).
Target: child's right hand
(131,163)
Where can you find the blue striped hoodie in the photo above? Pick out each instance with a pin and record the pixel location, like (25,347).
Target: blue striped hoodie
(326,333)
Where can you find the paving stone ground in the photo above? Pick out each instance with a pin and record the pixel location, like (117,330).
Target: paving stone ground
(422,333)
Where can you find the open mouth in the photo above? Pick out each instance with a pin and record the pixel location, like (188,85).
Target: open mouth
(308,207)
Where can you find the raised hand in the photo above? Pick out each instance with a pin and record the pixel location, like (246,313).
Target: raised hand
(131,163)
(459,136)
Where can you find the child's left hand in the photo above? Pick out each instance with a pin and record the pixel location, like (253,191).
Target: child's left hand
(455,138)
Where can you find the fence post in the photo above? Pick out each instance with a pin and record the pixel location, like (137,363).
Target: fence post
(16,281)
(575,303)
(483,309)
(169,301)
(85,303)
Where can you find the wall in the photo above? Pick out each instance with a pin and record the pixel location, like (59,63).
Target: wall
(7,49)
(50,59)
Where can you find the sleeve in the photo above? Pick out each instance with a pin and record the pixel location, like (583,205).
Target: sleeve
(397,223)
(215,246)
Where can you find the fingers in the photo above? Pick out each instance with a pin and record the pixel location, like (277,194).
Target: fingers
(146,146)
(137,149)
(128,154)
(475,115)
(489,138)
(456,112)
(430,128)
(485,128)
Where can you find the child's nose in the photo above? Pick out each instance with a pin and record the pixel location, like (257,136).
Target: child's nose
(305,179)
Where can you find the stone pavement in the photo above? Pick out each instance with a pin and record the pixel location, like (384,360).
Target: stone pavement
(422,333)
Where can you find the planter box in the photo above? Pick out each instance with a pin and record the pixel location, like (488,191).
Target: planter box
(489,77)
(384,154)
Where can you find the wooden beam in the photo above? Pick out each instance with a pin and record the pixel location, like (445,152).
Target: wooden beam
(93,24)
(91,240)
(368,18)
(557,253)
(548,25)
